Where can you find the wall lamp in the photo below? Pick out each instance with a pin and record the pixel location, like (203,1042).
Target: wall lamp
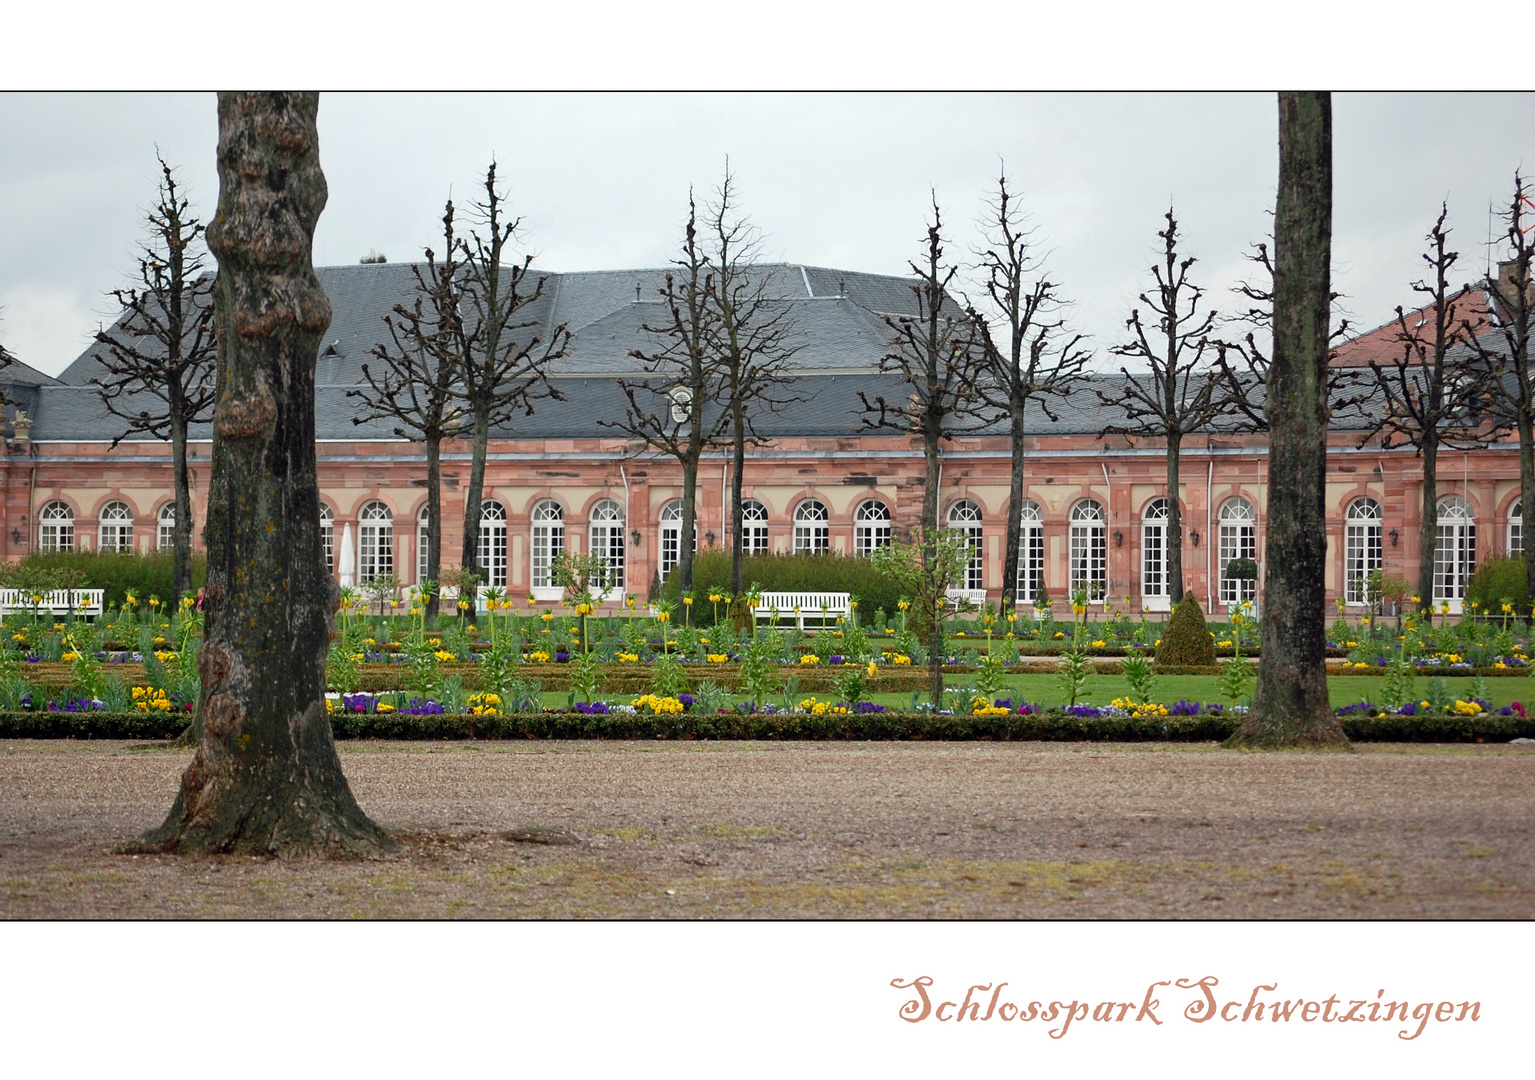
(709,538)
(1194,537)
(16,536)
(635,536)
(1393,538)
(1119,538)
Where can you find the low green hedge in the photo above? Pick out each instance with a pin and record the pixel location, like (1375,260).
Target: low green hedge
(878,727)
(150,574)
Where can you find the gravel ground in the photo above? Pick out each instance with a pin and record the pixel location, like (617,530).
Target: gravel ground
(811,830)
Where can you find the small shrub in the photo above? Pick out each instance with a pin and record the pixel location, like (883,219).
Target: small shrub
(1498,581)
(876,592)
(1187,642)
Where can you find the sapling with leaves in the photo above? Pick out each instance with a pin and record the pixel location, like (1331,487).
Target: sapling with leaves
(925,571)
(1139,674)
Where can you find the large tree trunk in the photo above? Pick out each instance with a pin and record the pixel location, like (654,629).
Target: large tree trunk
(475,495)
(181,530)
(1291,707)
(1014,521)
(1428,525)
(1526,500)
(266,778)
(1173,543)
(689,522)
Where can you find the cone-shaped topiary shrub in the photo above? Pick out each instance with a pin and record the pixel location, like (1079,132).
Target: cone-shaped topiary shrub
(1187,642)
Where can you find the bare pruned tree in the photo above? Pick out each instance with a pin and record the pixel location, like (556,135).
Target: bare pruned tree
(936,354)
(752,346)
(1178,393)
(158,360)
(1433,393)
(669,409)
(503,359)
(418,371)
(1505,351)
(1028,358)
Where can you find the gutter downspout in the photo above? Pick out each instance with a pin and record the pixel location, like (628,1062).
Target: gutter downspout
(1209,580)
(1108,497)
(34,530)
(628,524)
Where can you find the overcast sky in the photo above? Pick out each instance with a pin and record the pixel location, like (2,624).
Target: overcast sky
(838,180)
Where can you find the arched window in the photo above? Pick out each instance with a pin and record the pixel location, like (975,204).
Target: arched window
(422,545)
(548,542)
(1089,550)
(1238,540)
(608,543)
(56,527)
(671,537)
(1455,551)
(1361,548)
(812,529)
(871,527)
(1516,529)
(328,536)
(375,542)
(754,529)
(116,528)
(965,520)
(1154,579)
(491,552)
(1031,552)
(165,536)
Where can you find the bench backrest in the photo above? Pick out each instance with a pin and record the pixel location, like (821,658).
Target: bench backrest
(807,602)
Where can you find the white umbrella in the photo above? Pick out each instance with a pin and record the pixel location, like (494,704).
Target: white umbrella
(348,556)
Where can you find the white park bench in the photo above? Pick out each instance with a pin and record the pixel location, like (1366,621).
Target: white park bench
(977,597)
(83,602)
(826,606)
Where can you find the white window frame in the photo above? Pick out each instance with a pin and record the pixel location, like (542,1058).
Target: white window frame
(490,552)
(1156,584)
(1089,550)
(871,527)
(548,536)
(1238,539)
(421,544)
(1362,548)
(607,542)
(1454,551)
(115,528)
(812,528)
(754,527)
(165,527)
(964,519)
(328,536)
(375,541)
(1031,551)
(671,537)
(56,527)
(1516,528)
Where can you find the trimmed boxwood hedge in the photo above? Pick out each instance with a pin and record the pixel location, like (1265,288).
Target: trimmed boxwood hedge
(888,726)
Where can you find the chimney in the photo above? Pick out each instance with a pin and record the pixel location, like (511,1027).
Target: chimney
(1507,286)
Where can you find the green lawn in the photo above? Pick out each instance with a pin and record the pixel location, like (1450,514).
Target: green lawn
(1101,689)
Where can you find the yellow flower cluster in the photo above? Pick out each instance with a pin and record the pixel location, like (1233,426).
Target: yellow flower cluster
(810,658)
(652,703)
(485,704)
(539,657)
(821,708)
(1467,708)
(982,707)
(1361,666)
(1138,710)
(1100,644)
(72,655)
(444,655)
(147,698)
(718,658)
(898,659)
(628,658)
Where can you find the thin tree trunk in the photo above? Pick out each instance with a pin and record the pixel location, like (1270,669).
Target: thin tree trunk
(1291,705)
(737,486)
(689,522)
(476,493)
(929,551)
(1014,520)
(1174,541)
(1428,525)
(181,529)
(266,778)
(433,519)
(1526,499)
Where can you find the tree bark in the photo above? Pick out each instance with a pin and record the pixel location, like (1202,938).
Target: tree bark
(1291,707)
(266,778)
(1174,539)
(737,486)
(181,530)
(1014,510)
(476,493)
(1428,526)
(433,518)
(689,522)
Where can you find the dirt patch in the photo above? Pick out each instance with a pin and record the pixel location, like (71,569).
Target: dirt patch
(865,830)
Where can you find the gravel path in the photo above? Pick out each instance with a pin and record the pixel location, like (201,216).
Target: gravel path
(865,830)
